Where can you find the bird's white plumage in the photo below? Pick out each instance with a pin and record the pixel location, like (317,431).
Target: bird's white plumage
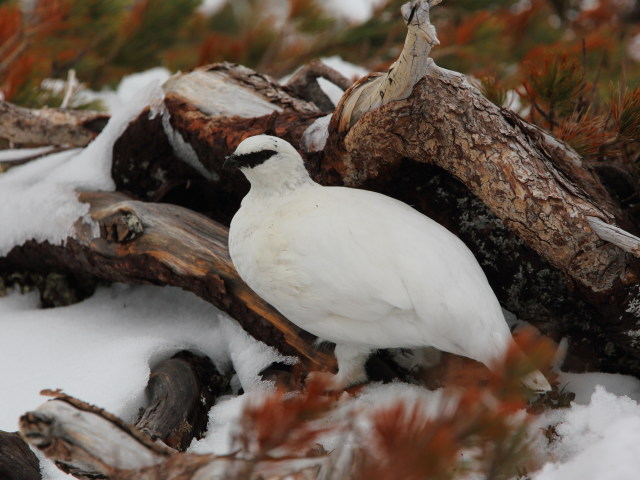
(359,268)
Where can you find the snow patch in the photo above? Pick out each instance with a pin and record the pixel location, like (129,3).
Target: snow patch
(101,350)
(353,10)
(129,89)
(315,136)
(598,441)
(38,200)
(21,153)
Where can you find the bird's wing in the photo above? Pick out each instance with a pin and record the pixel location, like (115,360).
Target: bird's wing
(340,254)
(367,257)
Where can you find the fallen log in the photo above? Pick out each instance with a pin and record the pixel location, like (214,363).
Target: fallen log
(17,461)
(163,244)
(49,126)
(89,442)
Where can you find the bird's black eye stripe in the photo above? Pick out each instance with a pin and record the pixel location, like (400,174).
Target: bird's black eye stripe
(413,12)
(252,159)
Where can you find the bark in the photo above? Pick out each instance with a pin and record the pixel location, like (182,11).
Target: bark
(304,84)
(524,202)
(182,389)
(165,244)
(534,185)
(89,442)
(519,198)
(17,461)
(86,441)
(49,126)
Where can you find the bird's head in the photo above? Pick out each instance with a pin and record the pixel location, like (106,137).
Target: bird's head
(416,14)
(269,162)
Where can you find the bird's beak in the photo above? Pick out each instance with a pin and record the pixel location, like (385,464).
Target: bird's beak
(231,162)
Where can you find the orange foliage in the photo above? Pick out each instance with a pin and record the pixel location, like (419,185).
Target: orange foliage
(135,18)
(283,420)
(404,439)
(466,31)
(10,18)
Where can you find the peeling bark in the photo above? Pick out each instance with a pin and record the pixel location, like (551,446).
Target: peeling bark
(537,186)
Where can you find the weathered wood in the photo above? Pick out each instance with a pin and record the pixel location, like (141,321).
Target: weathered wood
(17,461)
(305,85)
(49,126)
(535,185)
(165,244)
(189,136)
(89,442)
(615,235)
(182,389)
(398,81)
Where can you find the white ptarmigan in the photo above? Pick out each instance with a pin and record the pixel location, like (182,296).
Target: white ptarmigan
(358,268)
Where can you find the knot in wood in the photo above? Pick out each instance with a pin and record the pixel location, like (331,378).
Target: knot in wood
(121,227)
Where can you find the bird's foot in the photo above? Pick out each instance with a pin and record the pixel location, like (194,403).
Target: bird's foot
(333,382)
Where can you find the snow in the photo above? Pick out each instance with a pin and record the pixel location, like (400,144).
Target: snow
(21,153)
(315,136)
(102,349)
(128,90)
(245,103)
(38,200)
(598,441)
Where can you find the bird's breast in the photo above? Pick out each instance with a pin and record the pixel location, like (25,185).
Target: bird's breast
(263,258)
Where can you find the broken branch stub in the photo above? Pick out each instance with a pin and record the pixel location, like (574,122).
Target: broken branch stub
(49,126)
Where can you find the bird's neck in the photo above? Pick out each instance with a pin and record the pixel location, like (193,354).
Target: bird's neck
(269,187)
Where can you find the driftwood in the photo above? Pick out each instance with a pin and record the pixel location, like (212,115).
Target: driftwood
(162,244)
(521,199)
(304,84)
